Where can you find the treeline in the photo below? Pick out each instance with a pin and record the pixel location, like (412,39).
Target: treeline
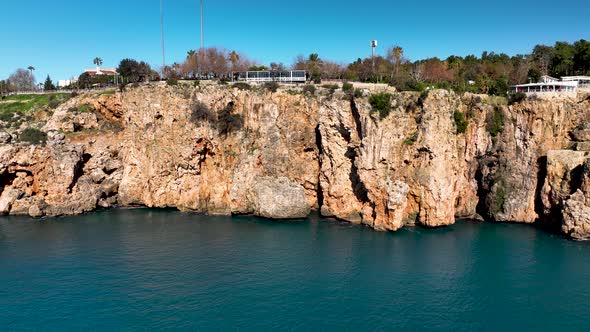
(490,73)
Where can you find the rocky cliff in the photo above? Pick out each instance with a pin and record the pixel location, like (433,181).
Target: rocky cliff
(433,158)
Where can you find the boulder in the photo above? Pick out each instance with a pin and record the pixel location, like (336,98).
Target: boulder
(8,198)
(5,137)
(280,198)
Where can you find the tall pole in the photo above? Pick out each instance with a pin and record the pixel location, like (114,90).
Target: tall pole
(201,53)
(162,35)
(202,31)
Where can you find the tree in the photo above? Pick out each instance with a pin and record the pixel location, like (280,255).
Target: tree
(48,85)
(32,69)
(97,61)
(542,55)
(5,87)
(395,55)
(84,81)
(22,80)
(277,66)
(190,53)
(582,57)
(534,75)
(562,62)
(234,58)
(417,72)
(135,71)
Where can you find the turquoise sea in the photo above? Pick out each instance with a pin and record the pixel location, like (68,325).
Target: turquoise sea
(163,270)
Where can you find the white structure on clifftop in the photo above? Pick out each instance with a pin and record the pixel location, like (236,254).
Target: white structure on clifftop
(567,84)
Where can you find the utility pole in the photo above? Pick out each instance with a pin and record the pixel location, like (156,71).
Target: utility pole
(162,35)
(373,46)
(201,53)
(202,31)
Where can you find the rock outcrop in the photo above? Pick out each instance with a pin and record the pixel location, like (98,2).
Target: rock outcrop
(433,158)
(566,191)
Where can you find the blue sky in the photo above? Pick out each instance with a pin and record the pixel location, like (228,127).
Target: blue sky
(61,37)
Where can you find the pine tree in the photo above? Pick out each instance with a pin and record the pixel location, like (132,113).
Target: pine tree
(48,86)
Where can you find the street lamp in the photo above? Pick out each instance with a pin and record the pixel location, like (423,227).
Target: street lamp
(373,46)
(162,35)
(202,31)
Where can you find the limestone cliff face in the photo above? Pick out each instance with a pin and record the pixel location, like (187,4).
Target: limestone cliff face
(407,168)
(222,150)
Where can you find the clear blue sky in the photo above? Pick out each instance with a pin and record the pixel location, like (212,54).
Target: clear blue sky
(61,37)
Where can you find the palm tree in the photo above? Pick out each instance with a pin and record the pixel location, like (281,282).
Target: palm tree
(97,61)
(31,69)
(234,58)
(190,54)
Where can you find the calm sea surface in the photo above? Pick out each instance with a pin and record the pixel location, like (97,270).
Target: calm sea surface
(163,270)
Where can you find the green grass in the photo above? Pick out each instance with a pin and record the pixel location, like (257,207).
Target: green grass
(85,108)
(24,103)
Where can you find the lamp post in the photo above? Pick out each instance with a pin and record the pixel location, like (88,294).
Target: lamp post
(373,46)
(162,35)
(202,49)
(202,31)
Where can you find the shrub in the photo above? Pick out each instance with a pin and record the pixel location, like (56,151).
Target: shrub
(196,83)
(73,94)
(271,86)
(516,98)
(33,136)
(331,87)
(53,103)
(381,102)
(358,93)
(412,139)
(309,89)
(222,82)
(317,80)
(6,116)
(347,87)
(172,81)
(200,112)
(122,87)
(460,122)
(242,86)
(496,122)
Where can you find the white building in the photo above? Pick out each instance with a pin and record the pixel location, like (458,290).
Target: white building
(64,83)
(567,84)
(583,81)
(559,87)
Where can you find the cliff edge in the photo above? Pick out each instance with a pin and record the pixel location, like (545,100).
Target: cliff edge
(433,158)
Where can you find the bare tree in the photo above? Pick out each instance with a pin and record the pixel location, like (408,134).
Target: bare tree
(22,80)
(417,72)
